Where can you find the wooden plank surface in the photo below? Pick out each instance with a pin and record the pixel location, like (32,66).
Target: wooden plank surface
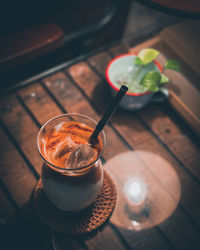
(22,128)
(17,178)
(6,208)
(39,103)
(183,36)
(183,86)
(82,89)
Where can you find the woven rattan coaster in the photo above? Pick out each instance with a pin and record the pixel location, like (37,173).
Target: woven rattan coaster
(76,222)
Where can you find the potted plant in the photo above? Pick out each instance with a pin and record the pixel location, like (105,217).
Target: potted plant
(141,73)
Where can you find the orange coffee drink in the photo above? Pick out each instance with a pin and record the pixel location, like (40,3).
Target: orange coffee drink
(72,172)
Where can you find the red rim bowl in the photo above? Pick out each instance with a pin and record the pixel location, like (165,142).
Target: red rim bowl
(120,56)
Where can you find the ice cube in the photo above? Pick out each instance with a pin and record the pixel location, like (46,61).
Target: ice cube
(61,149)
(68,145)
(82,156)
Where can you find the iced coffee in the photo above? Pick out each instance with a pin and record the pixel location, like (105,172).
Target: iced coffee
(72,174)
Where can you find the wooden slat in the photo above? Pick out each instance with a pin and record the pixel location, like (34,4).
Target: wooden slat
(148,239)
(99,62)
(6,208)
(61,241)
(105,239)
(181,145)
(184,36)
(121,48)
(131,126)
(22,128)
(14,172)
(70,97)
(146,44)
(167,130)
(180,231)
(39,103)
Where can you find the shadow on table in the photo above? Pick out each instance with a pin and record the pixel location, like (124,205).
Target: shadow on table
(24,231)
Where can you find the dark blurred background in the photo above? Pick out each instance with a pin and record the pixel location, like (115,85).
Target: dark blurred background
(35,36)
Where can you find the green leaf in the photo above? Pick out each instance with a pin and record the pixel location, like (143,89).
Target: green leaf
(147,55)
(164,79)
(138,61)
(151,81)
(154,88)
(172,64)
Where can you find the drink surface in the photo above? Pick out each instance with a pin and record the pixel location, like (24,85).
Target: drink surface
(64,140)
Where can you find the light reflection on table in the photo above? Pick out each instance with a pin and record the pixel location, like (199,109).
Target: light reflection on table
(148,189)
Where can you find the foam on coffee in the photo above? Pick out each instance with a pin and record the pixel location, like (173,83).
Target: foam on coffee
(59,143)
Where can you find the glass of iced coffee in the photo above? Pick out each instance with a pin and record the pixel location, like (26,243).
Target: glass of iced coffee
(72,173)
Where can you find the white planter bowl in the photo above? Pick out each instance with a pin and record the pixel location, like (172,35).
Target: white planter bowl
(124,65)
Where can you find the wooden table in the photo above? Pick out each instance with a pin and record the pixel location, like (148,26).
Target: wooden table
(79,86)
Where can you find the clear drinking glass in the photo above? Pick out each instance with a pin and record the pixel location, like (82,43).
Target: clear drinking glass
(70,189)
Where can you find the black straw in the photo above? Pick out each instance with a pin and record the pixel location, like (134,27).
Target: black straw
(109,112)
